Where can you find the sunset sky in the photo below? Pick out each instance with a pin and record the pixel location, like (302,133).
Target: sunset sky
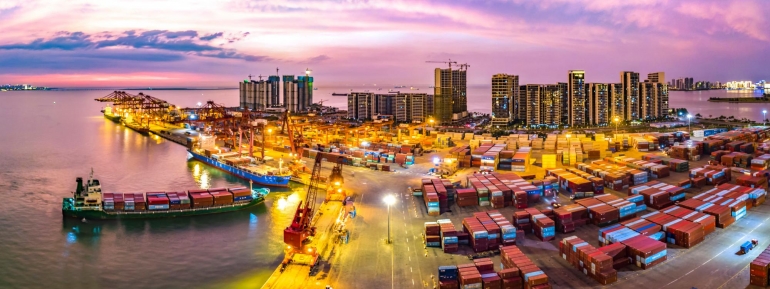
(216,43)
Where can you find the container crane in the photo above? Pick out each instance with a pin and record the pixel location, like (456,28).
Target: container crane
(302,226)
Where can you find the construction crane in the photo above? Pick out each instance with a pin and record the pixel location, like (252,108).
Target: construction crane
(450,62)
(302,227)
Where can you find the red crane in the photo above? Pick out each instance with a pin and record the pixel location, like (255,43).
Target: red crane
(301,226)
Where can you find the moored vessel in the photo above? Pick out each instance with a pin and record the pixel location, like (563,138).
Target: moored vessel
(89,202)
(238,163)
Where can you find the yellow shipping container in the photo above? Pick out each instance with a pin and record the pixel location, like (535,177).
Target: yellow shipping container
(549,161)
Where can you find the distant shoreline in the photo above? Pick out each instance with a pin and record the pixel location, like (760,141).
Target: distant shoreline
(144,89)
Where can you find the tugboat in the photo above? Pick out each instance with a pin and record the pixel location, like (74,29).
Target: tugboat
(88,202)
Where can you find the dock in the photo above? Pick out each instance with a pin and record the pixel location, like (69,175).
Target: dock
(299,275)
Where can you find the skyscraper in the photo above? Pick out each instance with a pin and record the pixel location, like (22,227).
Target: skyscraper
(505,96)
(290,101)
(304,92)
(459,90)
(576,97)
(442,99)
(258,94)
(617,103)
(530,95)
(659,77)
(598,103)
(630,82)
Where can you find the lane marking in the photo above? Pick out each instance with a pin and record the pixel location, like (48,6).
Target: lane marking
(720,253)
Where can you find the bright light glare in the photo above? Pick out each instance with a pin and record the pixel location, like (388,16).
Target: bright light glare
(689,116)
(389,200)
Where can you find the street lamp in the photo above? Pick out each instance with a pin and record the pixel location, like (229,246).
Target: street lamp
(389,200)
(764,112)
(616,120)
(269,133)
(689,117)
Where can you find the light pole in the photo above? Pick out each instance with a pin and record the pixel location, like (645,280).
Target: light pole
(616,120)
(689,116)
(764,112)
(269,133)
(389,200)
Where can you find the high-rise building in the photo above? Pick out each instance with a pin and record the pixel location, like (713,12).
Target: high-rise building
(304,92)
(530,95)
(443,96)
(409,107)
(630,82)
(290,101)
(598,103)
(654,100)
(659,77)
(688,84)
(505,96)
(274,94)
(563,91)
(259,94)
(576,97)
(459,91)
(551,104)
(359,105)
(617,103)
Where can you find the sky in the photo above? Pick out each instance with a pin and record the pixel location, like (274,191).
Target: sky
(195,43)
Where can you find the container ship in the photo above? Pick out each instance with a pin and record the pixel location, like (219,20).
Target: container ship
(88,202)
(108,114)
(234,164)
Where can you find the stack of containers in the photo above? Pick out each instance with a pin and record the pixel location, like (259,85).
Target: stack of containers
(544,228)
(467,197)
(603,214)
(758,269)
(505,160)
(240,195)
(221,196)
(108,202)
(489,278)
(470,277)
(521,221)
(449,241)
(492,229)
(761,162)
(532,275)
(645,252)
(173,201)
(477,234)
(130,204)
(563,220)
(447,277)
(644,227)
(431,199)
(200,198)
(507,230)
(432,234)
(588,260)
(157,201)
(120,202)
(184,200)
(139,202)
(442,192)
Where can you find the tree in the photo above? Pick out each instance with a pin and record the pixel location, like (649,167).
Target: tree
(697,115)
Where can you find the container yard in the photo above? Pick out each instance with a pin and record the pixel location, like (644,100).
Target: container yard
(522,211)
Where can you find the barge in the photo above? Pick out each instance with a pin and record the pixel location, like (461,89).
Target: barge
(89,202)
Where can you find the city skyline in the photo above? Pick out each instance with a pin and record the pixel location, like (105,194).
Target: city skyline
(54,43)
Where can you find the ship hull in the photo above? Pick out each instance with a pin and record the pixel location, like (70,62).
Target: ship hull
(113,118)
(272,181)
(106,215)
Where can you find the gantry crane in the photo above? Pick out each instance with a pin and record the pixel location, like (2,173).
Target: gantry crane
(302,227)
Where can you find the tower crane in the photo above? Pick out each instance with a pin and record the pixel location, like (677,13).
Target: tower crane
(450,62)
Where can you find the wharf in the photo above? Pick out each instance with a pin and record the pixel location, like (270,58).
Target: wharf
(368,262)
(298,275)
